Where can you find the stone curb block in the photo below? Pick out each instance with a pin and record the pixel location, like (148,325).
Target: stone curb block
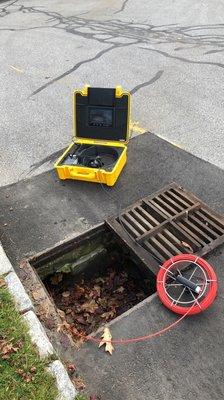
(38,335)
(17,290)
(5,265)
(65,387)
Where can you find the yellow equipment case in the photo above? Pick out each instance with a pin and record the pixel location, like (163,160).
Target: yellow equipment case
(98,152)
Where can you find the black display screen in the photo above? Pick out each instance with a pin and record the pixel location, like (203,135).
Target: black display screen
(99,116)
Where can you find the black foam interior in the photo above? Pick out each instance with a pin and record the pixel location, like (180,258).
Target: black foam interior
(101,115)
(84,153)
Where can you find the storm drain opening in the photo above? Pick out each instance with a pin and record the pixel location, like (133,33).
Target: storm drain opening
(94,279)
(100,274)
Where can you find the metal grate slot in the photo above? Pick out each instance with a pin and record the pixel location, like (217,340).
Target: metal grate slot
(199,232)
(215,221)
(189,236)
(154,211)
(183,204)
(208,222)
(172,203)
(205,227)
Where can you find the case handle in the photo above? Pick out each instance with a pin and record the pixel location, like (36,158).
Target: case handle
(88,176)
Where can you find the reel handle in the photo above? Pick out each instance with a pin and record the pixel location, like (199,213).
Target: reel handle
(188,284)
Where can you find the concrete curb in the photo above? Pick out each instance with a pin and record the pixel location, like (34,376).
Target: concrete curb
(38,335)
(66,389)
(5,265)
(21,298)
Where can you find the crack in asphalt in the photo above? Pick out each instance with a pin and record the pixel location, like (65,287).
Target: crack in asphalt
(116,28)
(150,82)
(185,60)
(78,65)
(113,31)
(122,7)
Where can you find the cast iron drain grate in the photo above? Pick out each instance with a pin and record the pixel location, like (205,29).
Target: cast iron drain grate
(170,222)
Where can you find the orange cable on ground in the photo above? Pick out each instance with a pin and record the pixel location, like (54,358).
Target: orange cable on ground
(140,338)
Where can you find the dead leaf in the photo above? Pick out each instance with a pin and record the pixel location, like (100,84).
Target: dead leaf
(71,368)
(20,371)
(90,306)
(27,378)
(66,294)
(120,289)
(56,279)
(106,339)
(187,246)
(2,282)
(109,314)
(79,383)
(33,370)
(23,264)
(63,327)
(94,300)
(99,280)
(37,295)
(95,292)
(6,349)
(80,319)
(78,292)
(43,309)
(19,344)
(103,302)
(61,313)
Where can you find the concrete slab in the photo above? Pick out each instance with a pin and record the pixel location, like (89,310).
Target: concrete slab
(41,211)
(186,363)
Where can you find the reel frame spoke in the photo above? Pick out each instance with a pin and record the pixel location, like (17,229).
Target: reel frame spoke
(200,284)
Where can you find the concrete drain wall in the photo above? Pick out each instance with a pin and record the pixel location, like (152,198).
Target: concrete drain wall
(93,278)
(98,254)
(78,262)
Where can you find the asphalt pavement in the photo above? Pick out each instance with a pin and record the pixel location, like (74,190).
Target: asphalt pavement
(185,364)
(169,54)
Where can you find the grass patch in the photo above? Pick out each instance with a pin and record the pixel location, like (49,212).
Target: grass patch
(23,374)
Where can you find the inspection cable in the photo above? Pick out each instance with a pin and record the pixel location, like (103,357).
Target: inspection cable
(125,341)
(188,311)
(139,338)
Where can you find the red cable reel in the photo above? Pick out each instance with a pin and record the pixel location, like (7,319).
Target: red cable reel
(186,284)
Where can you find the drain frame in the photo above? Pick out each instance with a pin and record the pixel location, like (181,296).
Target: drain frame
(173,215)
(34,281)
(159,225)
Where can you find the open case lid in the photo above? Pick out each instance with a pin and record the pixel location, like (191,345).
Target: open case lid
(102,114)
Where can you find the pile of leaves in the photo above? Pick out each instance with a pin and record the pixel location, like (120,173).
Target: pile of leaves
(87,304)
